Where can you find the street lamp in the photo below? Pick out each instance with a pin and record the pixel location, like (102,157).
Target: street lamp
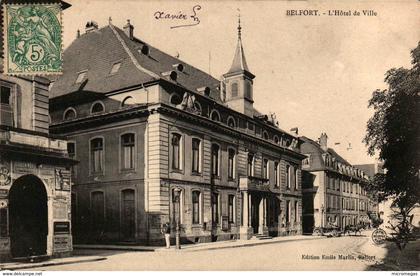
(322,218)
(177,192)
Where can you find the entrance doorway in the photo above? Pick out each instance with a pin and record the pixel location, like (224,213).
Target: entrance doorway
(128,224)
(255,213)
(28,217)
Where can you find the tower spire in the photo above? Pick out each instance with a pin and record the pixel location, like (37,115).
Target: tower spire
(239,64)
(239,25)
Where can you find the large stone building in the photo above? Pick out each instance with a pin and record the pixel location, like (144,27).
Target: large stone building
(35,210)
(334,191)
(143,123)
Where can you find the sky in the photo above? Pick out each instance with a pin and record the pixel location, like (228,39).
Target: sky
(316,73)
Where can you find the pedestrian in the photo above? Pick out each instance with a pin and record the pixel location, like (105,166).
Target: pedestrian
(166,230)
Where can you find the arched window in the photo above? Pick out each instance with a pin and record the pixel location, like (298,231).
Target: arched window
(215,198)
(127,151)
(198,108)
(231,122)
(248,90)
(265,135)
(69,114)
(97,108)
(97,155)
(296,179)
(215,116)
(234,89)
(276,174)
(127,101)
(276,139)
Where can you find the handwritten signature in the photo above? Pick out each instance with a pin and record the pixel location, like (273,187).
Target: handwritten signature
(190,20)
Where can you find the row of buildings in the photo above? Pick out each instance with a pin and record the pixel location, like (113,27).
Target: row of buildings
(140,124)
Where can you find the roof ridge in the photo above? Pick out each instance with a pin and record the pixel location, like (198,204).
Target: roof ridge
(130,54)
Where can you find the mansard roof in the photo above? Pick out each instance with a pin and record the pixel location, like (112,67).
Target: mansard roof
(140,63)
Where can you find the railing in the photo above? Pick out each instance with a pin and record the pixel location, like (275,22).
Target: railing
(249,182)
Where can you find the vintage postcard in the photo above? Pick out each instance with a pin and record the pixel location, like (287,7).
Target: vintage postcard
(209,135)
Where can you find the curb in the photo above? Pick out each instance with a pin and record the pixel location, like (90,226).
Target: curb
(50,263)
(251,244)
(92,247)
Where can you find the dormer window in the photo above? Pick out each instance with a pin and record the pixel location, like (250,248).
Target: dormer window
(178,67)
(115,67)
(265,135)
(276,139)
(215,116)
(97,107)
(81,76)
(231,122)
(69,114)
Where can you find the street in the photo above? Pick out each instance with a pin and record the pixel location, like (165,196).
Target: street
(342,253)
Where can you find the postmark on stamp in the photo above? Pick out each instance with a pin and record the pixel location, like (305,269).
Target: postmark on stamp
(32,39)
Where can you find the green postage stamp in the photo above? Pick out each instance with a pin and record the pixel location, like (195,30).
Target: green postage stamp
(32,39)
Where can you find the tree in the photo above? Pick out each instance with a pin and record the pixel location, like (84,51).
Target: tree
(394,133)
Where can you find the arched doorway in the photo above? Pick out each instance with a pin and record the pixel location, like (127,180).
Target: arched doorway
(28,217)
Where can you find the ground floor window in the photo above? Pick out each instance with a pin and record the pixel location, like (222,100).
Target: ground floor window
(231,208)
(196,207)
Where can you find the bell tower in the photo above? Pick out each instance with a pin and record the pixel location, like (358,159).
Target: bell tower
(239,81)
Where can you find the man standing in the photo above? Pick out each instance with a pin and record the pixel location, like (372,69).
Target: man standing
(166,230)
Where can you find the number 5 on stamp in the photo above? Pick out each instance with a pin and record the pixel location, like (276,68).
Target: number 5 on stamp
(32,39)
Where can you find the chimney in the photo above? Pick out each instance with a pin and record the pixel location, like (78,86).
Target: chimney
(91,26)
(78,33)
(323,141)
(128,29)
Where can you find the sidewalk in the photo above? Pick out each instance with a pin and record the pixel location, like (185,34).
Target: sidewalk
(50,262)
(200,246)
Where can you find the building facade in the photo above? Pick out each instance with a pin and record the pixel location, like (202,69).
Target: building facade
(144,123)
(334,191)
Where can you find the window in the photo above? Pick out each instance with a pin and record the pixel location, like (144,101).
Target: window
(176,151)
(266,173)
(196,207)
(287,211)
(71,149)
(215,116)
(69,114)
(265,135)
(234,88)
(250,165)
(231,164)
(96,151)
(276,174)
(215,207)
(81,76)
(5,95)
(296,211)
(231,208)
(288,177)
(248,90)
(231,122)
(97,108)
(181,206)
(115,67)
(276,139)
(127,101)
(196,155)
(296,179)
(127,151)
(98,210)
(215,159)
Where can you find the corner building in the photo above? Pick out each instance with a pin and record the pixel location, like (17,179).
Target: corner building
(143,123)
(334,191)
